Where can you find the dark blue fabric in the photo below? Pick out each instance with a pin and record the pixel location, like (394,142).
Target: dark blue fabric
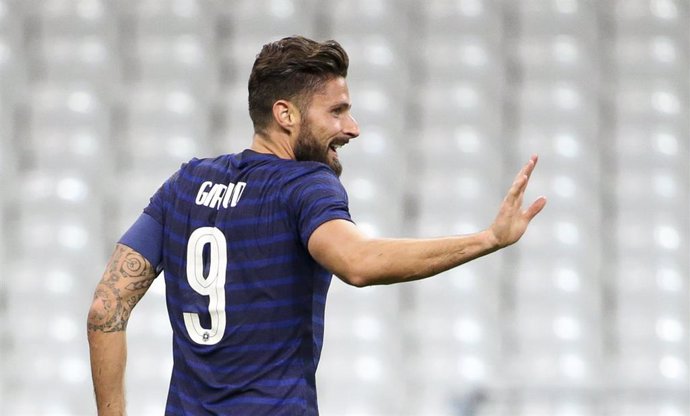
(146,234)
(275,292)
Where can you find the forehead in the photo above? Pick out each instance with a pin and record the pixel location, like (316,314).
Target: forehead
(333,92)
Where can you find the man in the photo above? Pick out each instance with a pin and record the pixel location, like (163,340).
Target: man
(249,242)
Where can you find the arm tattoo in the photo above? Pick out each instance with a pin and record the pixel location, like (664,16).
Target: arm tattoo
(124,283)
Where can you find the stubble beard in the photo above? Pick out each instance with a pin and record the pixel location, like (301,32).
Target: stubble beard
(308,148)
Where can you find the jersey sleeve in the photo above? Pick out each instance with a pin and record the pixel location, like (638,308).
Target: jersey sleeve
(316,198)
(145,236)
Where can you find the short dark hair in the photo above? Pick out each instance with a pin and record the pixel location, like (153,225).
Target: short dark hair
(292,69)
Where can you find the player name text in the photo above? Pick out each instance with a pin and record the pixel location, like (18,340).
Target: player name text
(215,195)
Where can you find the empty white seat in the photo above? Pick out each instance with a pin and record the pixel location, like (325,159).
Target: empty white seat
(647,17)
(646,368)
(372,377)
(457,147)
(452,17)
(659,280)
(653,56)
(558,282)
(13,71)
(165,126)
(236,128)
(369,16)
(176,59)
(71,236)
(84,60)
(140,183)
(557,102)
(663,233)
(373,101)
(171,18)
(69,107)
(272,19)
(73,149)
(658,100)
(547,367)
(11,19)
(557,57)
(461,102)
(470,56)
(651,147)
(544,17)
(65,18)
(375,59)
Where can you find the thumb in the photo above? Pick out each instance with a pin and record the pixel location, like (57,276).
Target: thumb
(535,208)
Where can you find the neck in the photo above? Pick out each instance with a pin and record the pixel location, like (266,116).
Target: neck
(273,143)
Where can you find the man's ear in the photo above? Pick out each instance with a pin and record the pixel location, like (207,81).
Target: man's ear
(286,115)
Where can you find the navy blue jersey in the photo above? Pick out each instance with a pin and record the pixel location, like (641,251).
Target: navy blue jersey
(246,300)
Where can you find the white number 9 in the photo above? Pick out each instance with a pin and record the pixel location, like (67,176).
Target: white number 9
(212,286)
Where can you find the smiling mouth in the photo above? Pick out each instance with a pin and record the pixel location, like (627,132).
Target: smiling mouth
(335,146)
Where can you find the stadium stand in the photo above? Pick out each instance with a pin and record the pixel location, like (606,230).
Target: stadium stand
(101,101)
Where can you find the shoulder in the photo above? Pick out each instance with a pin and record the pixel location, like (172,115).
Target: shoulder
(301,174)
(197,169)
(216,163)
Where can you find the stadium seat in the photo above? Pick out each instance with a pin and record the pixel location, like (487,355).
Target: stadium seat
(65,107)
(647,17)
(468,57)
(70,19)
(368,17)
(546,17)
(453,18)
(170,18)
(651,56)
(176,59)
(166,125)
(101,101)
(559,57)
(272,20)
(13,71)
(463,102)
(84,60)
(236,131)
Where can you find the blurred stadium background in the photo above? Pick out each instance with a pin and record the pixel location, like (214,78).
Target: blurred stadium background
(589,314)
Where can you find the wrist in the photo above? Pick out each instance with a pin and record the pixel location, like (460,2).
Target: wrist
(490,241)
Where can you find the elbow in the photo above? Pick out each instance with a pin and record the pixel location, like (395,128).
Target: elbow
(96,317)
(357,275)
(106,315)
(355,280)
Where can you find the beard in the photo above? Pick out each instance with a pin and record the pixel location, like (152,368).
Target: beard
(309,148)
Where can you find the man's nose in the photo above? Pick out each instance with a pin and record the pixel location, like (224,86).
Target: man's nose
(351,127)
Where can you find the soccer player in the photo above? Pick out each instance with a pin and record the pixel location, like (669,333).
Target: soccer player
(249,242)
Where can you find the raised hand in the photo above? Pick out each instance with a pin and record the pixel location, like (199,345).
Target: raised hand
(512,221)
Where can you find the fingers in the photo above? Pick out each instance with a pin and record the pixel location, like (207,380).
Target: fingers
(529,166)
(522,178)
(535,208)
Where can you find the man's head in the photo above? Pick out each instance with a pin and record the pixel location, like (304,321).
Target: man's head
(292,69)
(297,86)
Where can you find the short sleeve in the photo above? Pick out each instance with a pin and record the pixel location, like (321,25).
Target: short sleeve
(315,198)
(145,236)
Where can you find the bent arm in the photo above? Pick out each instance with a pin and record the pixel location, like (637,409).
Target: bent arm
(361,261)
(125,281)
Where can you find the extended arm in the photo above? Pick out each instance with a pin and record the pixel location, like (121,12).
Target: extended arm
(124,282)
(361,261)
